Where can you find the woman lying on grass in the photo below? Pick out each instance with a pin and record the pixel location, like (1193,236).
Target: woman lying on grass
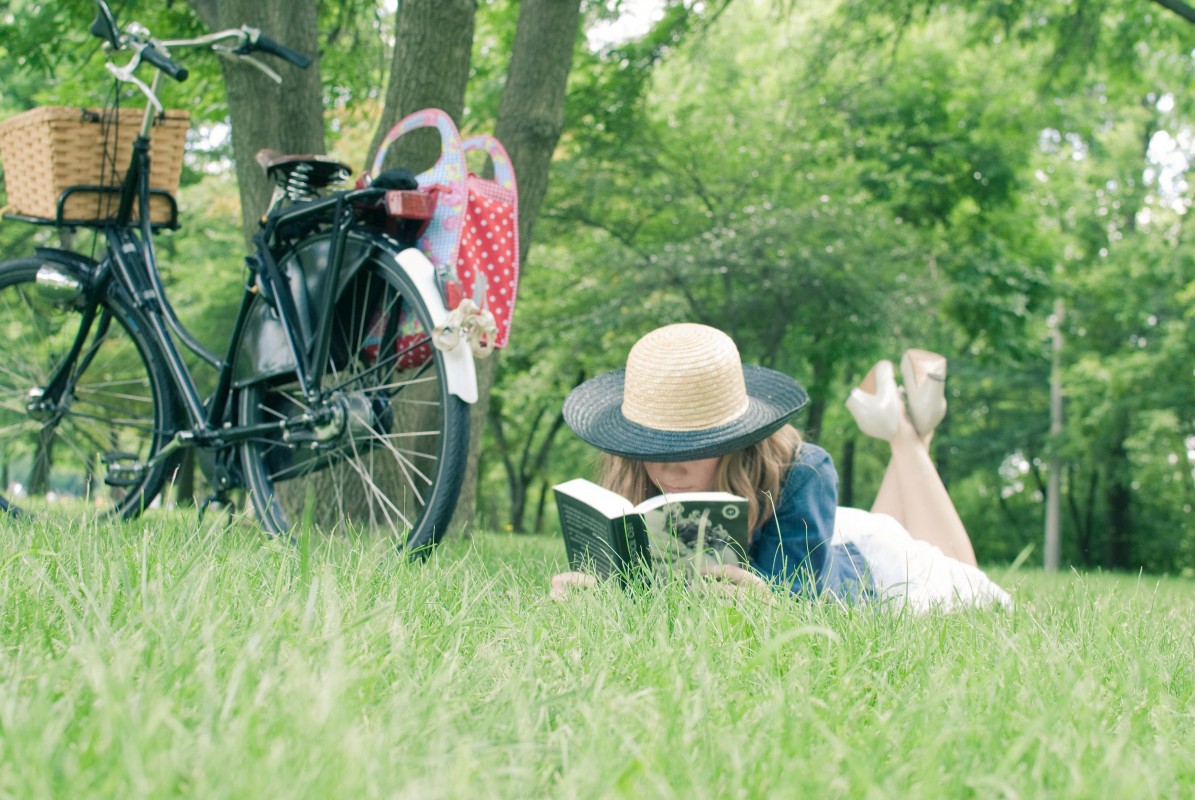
(686,415)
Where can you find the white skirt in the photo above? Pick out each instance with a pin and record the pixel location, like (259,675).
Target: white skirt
(911,573)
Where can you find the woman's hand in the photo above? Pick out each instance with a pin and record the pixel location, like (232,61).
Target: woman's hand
(733,580)
(726,578)
(563,583)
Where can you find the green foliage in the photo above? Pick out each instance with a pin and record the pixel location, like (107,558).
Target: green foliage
(830,185)
(834,186)
(493,40)
(356,44)
(52,58)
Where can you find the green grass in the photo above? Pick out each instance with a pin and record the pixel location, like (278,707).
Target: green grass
(164,658)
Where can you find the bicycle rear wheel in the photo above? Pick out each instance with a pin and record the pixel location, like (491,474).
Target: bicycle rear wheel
(87,452)
(392,458)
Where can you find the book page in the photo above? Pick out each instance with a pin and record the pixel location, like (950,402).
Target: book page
(688,497)
(609,504)
(694,530)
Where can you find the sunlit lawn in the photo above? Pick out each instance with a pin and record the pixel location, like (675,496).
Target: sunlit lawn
(167,658)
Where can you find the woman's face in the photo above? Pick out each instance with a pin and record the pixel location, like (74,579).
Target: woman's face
(674,477)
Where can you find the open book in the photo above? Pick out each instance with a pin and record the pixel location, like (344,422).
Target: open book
(604,533)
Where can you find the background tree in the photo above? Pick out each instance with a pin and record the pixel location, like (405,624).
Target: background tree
(429,69)
(929,167)
(529,124)
(831,185)
(286,116)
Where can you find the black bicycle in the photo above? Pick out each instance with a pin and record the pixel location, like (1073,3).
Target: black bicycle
(332,398)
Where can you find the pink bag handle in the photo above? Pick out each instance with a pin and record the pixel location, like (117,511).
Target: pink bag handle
(504,171)
(449,168)
(440,240)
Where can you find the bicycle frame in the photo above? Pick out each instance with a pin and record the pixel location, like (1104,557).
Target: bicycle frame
(345,376)
(132,263)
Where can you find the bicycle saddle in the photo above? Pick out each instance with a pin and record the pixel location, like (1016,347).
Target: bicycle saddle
(316,171)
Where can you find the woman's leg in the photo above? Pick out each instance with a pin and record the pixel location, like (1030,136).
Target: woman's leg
(917,497)
(911,490)
(889,498)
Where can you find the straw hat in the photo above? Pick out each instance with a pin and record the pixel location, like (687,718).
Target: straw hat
(684,395)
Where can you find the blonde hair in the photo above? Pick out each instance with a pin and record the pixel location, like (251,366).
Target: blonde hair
(755,472)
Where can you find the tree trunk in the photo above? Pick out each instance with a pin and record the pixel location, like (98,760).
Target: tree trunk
(1118,497)
(1082,513)
(287,117)
(430,69)
(531,114)
(544,488)
(815,411)
(43,459)
(518,506)
(530,121)
(1052,552)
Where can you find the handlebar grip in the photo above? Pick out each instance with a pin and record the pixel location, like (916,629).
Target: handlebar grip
(268,45)
(176,71)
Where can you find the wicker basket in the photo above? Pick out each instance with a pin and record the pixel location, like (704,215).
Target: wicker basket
(48,149)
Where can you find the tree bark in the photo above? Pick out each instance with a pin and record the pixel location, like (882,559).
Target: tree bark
(430,69)
(1118,499)
(530,121)
(287,117)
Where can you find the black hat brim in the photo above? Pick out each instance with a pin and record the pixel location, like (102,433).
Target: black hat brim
(594,412)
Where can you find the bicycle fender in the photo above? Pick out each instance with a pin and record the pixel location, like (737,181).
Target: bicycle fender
(264,352)
(458,362)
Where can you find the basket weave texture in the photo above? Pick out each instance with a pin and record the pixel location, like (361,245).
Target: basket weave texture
(48,149)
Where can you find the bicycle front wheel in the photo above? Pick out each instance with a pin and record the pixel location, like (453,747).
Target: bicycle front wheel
(392,457)
(85,448)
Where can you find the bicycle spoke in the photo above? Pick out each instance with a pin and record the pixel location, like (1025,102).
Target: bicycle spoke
(116,422)
(113,405)
(370,484)
(395,460)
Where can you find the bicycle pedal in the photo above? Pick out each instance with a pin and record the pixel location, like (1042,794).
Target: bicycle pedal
(123,469)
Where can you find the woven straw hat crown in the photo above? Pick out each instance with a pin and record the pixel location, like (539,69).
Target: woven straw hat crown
(684,394)
(684,377)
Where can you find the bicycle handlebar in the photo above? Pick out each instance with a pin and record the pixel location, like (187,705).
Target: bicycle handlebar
(163,62)
(238,43)
(259,41)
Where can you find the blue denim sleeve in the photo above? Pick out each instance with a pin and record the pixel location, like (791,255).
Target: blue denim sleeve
(792,546)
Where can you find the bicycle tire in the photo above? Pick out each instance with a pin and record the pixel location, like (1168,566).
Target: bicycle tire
(397,467)
(90,455)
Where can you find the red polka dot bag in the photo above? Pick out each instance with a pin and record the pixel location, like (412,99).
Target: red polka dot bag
(487,261)
(472,239)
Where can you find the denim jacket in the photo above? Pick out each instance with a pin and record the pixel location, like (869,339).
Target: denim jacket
(792,547)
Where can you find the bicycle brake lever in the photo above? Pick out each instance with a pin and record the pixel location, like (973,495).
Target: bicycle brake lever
(126,75)
(228,52)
